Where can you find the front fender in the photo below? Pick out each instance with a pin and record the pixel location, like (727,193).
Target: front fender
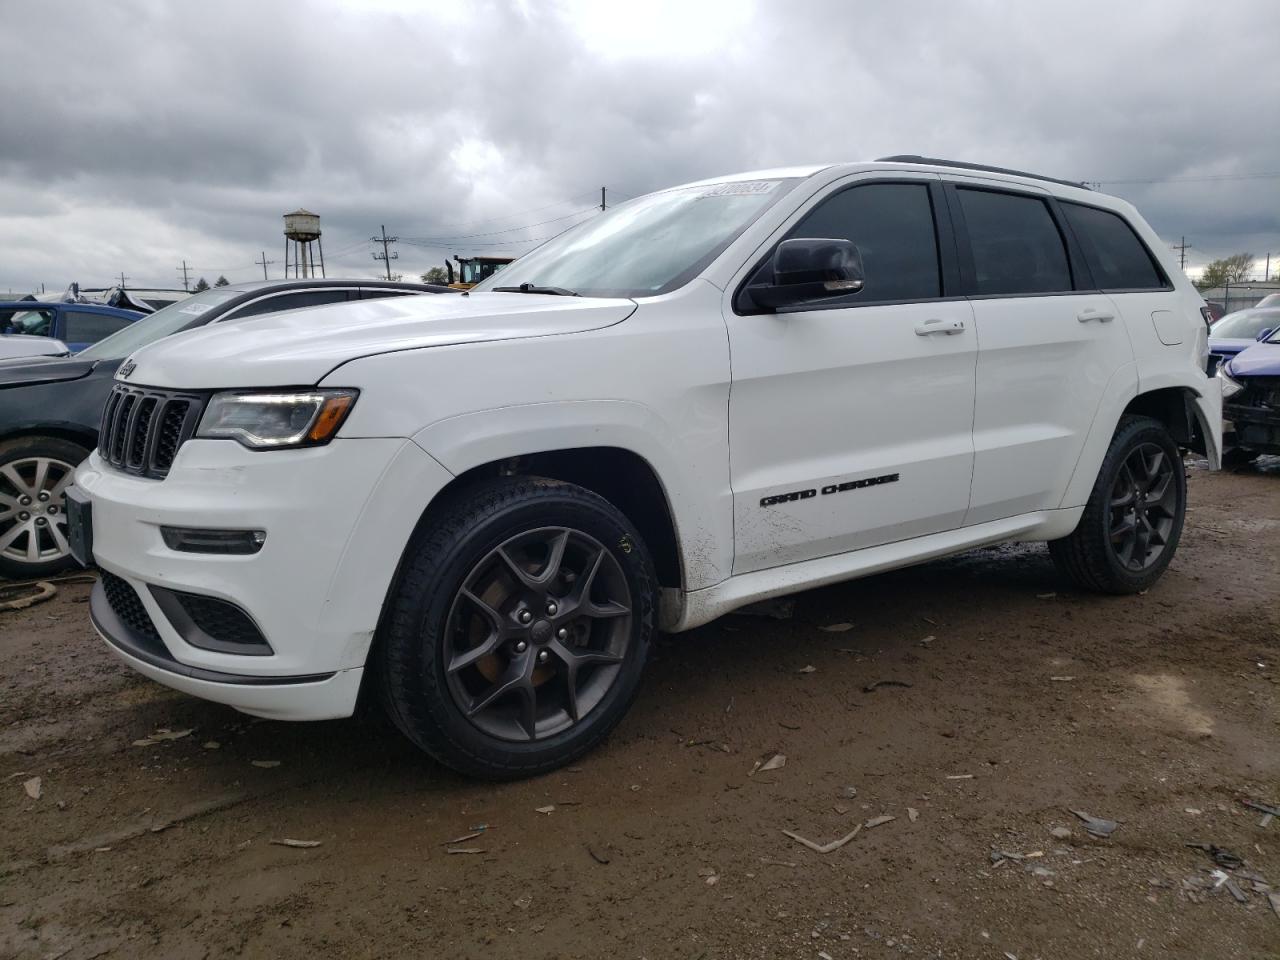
(697,493)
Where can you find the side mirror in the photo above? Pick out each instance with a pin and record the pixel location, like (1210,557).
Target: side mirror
(1262,335)
(808,269)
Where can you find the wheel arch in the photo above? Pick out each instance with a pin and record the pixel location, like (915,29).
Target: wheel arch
(85,438)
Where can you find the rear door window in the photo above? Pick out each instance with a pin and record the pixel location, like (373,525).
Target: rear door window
(81,326)
(292,300)
(1017,248)
(34,323)
(1118,259)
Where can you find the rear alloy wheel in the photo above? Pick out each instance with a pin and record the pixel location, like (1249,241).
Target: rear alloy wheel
(1133,520)
(518,628)
(34,475)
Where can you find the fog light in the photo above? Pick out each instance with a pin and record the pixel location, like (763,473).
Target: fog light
(198,540)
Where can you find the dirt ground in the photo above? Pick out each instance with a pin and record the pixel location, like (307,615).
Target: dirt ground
(1020,699)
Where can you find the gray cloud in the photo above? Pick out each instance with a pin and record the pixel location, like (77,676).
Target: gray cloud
(141,133)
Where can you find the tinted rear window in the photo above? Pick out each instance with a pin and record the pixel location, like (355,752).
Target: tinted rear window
(81,326)
(1016,245)
(1116,257)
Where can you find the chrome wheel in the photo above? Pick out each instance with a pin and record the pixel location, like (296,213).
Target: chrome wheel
(33,519)
(537,634)
(1143,506)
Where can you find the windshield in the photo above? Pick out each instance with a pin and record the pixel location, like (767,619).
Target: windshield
(171,319)
(1245,324)
(646,246)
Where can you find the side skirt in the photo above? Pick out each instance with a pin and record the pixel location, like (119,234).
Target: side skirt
(686,610)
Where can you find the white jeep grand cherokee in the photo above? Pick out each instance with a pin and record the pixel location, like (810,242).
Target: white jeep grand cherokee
(483,506)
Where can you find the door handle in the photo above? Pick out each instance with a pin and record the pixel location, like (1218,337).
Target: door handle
(1092,313)
(929,327)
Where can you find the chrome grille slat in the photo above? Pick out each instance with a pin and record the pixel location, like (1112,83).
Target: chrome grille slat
(142,428)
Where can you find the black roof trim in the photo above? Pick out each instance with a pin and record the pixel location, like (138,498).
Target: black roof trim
(961,165)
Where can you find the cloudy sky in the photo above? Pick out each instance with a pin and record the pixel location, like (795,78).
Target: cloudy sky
(140,133)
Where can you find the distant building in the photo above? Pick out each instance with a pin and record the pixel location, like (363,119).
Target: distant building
(1240,296)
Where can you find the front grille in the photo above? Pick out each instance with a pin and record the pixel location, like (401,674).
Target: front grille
(126,605)
(143,428)
(1261,392)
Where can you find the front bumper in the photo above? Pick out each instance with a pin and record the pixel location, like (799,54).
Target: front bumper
(336,518)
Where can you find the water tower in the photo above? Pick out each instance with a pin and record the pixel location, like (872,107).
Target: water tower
(301,229)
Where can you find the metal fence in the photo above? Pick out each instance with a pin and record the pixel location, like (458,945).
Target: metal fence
(1232,297)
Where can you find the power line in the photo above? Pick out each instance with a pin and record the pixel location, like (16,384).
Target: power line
(453,238)
(1206,179)
(264,262)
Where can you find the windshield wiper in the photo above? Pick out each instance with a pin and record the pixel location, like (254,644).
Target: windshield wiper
(534,288)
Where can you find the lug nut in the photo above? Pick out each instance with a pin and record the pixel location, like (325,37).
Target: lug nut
(521,646)
(44,495)
(24,500)
(525,616)
(24,516)
(562,634)
(52,508)
(543,656)
(41,521)
(551,609)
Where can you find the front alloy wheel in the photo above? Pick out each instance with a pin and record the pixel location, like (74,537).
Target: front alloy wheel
(537,634)
(34,476)
(518,628)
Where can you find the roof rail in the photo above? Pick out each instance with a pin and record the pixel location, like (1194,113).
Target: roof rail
(961,165)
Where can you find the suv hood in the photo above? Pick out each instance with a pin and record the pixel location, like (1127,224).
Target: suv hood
(300,347)
(1258,360)
(26,370)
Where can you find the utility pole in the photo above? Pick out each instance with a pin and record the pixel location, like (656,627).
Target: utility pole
(186,280)
(1266,274)
(387,256)
(602,198)
(264,261)
(1182,249)
(123,278)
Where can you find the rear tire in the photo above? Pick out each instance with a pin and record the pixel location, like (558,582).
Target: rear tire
(34,475)
(1131,525)
(518,628)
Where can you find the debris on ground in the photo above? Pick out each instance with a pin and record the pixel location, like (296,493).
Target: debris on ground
(776,762)
(1096,826)
(597,857)
(548,809)
(462,839)
(1062,679)
(848,793)
(164,733)
(524,903)
(925,641)
(1060,833)
(43,590)
(960,776)
(33,788)
(808,668)
(824,847)
(265,764)
(1223,858)
(211,745)
(1045,596)
(836,627)
(913,814)
(879,821)
(1269,811)
(780,608)
(466,850)
(299,844)
(873,687)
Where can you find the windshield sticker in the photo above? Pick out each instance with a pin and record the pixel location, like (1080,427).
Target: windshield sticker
(195,308)
(747,188)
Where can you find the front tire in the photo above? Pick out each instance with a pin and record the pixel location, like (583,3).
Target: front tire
(518,629)
(1132,523)
(34,475)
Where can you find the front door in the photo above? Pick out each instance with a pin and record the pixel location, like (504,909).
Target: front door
(850,422)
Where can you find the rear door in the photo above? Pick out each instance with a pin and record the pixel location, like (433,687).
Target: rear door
(850,420)
(1048,344)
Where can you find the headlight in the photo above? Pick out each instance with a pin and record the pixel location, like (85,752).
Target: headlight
(1230,385)
(270,420)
